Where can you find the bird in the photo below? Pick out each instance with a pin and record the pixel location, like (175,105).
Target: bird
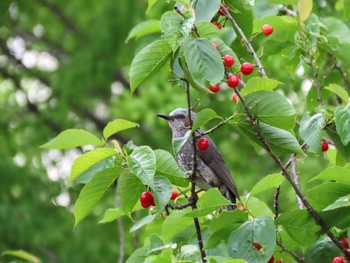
(211,170)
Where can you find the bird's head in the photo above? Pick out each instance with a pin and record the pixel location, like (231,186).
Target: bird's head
(178,119)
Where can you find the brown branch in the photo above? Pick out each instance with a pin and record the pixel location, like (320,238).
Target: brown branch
(342,73)
(246,41)
(296,178)
(276,205)
(222,123)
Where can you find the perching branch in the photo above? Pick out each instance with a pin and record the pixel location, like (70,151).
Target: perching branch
(222,123)
(246,41)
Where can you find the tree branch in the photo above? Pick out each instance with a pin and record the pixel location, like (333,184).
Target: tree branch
(295,256)
(296,178)
(315,78)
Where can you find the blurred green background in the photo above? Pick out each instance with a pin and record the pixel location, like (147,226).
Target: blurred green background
(64,64)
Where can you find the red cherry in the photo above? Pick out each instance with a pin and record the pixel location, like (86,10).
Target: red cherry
(345,242)
(257,245)
(203,144)
(217,24)
(233,81)
(267,29)
(247,68)
(214,88)
(216,46)
(221,10)
(338,260)
(324,146)
(147,199)
(271,260)
(174,195)
(228,60)
(145,205)
(235,97)
(347,258)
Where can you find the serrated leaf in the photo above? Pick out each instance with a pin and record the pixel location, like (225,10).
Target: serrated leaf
(310,130)
(175,223)
(304,8)
(325,194)
(203,61)
(299,226)
(259,84)
(86,161)
(93,191)
(342,122)
(281,141)
(203,117)
(22,255)
(260,230)
(144,28)
(339,91)
(129,190)
(269,181)
(209,202)
(270,108)
(116,126)
(207,29)
(72,138)
(243,14)
(162,191)
(323,251)
(176,27)
(180,141)
(339,174)
(148,61)
(167,166)
(144,221)
(142,163)
(206,9)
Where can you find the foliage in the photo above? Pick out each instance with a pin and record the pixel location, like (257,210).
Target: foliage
(297,97)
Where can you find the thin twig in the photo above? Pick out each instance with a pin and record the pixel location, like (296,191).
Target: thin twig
(296,178)
(295,256)
(315,78)
(246,41)
(276,205)
(342,74)
(222,123)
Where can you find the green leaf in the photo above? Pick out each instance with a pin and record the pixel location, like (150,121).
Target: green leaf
(311,130)
(281,141)
(142,163)
(260,230)
(304,8)
(162,191)
(72,138)
(116,126)
(228,218)
(148,61)
(86,161)
(112,214)
(299,226)
(203,117)
(339,203)
(164,257)
(151,3)
(338,217)
(258,207)
(22,255)
(337,29)
(270,108)
(93,191)
(144,28)
(325,194)
(175,223)
(269,181)
(167,166)
(339,91)
(339,174)
(129,190)
(344,151)
(206,9)
(144,221)
(242,12)
(323,251)
(138,256)
(207,29)
(342,122)
(176,27)
(88,174)
(259,84)
(209,202)
(180,141)
(203,61)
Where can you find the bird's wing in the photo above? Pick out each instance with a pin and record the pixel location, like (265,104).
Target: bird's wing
(213,159)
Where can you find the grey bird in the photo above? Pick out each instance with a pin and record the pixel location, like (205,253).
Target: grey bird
(212,170)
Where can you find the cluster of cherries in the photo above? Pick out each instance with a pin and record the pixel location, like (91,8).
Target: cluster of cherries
(147,198)
(345,242)
(228,60)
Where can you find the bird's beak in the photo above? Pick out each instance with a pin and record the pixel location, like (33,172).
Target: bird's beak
(164,116)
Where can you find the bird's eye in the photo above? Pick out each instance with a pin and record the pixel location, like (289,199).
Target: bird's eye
(182,116)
